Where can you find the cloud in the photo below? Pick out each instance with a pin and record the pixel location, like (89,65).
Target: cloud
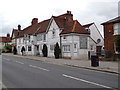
(16,12)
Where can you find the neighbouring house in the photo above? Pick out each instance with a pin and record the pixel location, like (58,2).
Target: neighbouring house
(4,41)
(14,35)
(96,36)
(111,30)
(73,39)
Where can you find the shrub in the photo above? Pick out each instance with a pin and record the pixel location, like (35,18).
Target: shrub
(45,50)
(23,50)
(57,51)
(14,50)
(7,48)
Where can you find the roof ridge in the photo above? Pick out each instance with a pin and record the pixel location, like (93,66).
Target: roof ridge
(75,22)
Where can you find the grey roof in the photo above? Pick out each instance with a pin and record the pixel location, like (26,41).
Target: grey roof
(115,20)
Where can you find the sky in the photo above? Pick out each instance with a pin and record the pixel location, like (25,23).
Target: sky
(14,12)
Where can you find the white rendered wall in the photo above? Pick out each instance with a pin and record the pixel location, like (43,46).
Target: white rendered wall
(95,34)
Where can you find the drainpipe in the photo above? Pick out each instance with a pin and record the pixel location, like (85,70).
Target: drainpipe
(72,48)
(61,46)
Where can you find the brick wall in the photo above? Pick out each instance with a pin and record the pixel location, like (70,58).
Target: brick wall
(109,38)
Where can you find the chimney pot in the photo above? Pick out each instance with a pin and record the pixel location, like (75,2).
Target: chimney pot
(8,35)
(19,27)
(68,12)
(34,21)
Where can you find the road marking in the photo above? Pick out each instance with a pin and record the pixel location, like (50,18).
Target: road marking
(85,81)
(19,62)
(39,68)
(6,59)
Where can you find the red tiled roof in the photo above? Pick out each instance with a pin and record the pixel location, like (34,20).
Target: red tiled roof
(88,25)
(5,39)
(43,26)
(14,32)
(67,26)
(74,27)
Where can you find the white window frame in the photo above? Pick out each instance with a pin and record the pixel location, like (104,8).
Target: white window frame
(39,37)
(66,48)
(29,47)
(116,28)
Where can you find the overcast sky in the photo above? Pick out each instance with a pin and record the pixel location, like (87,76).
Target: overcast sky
(14,12)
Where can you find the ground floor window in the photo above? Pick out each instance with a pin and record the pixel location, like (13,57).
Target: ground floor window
(29,48)
(83,42)
(66,48)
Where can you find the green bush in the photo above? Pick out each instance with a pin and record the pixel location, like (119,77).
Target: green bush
(57,51)
(14,50)
(45,50)
(7,48)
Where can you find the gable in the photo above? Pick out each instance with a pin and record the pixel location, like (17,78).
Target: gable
(95,34)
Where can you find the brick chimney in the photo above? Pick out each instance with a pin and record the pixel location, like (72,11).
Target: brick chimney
(34,21)
(69,16)
(8,35)
(19,27)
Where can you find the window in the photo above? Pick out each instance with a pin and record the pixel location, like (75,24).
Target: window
(20,40)
(52,47)
(44,37)
(53,32)
(91,47)
(83,42)
(66,48)
(29,48)
(39,37)
(116,28)
(75,45)
(87,28)
(98,40)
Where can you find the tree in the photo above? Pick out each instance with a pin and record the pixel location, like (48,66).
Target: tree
(14,50)
(57,51)
(45,50)
(23,50)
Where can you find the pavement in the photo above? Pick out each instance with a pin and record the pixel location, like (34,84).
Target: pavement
(104,66)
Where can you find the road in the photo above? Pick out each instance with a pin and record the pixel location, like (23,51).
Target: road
(25,73)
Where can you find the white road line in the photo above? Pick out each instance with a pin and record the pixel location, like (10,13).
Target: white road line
(19,62)
(85,81)
(6,59)
(39,68)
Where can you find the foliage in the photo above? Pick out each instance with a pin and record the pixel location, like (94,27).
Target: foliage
(23,49)
(45,50)
(57,51)
(7,48)
(14,50)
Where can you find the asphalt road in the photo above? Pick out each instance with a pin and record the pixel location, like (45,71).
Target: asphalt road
(25,73)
